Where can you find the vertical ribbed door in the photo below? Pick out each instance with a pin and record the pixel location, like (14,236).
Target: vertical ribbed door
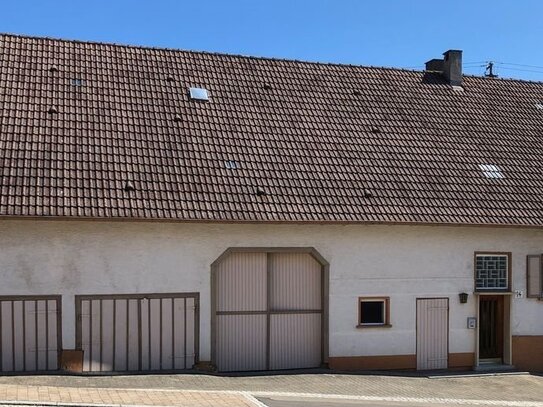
(432,333)
(269,312)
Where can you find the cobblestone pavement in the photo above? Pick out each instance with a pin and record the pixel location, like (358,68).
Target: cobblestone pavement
(216,390)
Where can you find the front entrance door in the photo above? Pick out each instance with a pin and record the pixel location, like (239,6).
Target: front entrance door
(491,327)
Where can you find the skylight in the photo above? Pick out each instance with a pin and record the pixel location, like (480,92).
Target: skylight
(198,94)
(491,171)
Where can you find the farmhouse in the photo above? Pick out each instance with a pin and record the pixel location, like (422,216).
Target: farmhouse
(162,210)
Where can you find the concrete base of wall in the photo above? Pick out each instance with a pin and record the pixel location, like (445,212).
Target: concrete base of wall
(396,362)
(528,353)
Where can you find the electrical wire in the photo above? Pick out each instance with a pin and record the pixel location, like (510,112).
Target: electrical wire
(522,70)
(524,65)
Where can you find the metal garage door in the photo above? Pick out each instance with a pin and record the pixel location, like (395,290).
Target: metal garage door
(143,332)
(30,333)
(432,333)
(268,311)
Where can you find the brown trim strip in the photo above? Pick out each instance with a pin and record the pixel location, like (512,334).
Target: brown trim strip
(271,312)
(384,362)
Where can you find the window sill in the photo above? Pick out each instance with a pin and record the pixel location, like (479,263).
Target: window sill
(360,326)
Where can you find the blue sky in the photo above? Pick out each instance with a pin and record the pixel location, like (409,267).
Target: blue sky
(398,33)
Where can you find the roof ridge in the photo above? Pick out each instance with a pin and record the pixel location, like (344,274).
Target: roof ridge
(215,53)
(250,57)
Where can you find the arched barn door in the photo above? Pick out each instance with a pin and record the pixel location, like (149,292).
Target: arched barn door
(268,311)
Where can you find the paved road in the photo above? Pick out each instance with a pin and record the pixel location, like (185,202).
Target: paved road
(299,389)
(310,402)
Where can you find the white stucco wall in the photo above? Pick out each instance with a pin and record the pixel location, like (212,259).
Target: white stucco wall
(403,262)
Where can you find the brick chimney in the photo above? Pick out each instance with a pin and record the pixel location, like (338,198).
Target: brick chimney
(450,66)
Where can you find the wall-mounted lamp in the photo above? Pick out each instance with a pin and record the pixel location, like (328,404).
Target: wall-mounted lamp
(463,298)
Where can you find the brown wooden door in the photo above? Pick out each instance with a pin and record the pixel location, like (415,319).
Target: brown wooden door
(490,326)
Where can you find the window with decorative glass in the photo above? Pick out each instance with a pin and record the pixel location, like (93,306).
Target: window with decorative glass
(492,272)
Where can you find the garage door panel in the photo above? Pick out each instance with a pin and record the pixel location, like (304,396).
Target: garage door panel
(6,353)
(242,282)
(295,282)
(18,337)
(295,341)
(28,333)
(41,329)
(167,337)
(179,333)
(52,332)
(145,334)
(138,333)
(95,327)
(155,334)
(241,342)
(107,338)
(121,312)
(133,335)
(190,334)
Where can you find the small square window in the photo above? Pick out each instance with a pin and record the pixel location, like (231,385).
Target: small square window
(492,272)
(373,311)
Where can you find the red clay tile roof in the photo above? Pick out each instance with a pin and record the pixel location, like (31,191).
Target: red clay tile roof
(318,142)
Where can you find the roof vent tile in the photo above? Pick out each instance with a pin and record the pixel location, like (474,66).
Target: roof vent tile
(129,186)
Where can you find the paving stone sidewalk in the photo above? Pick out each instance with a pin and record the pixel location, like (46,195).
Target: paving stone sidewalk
(214,390)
